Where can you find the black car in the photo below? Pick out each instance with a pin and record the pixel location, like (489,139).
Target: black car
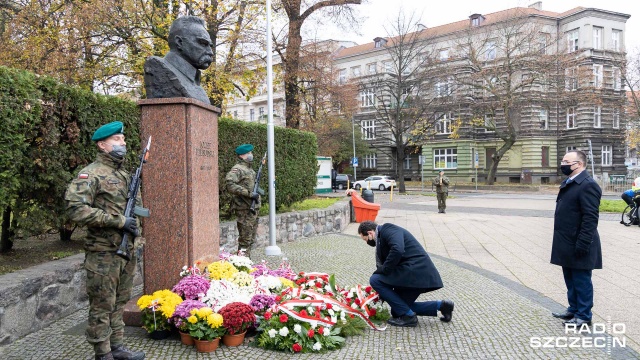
(341,181)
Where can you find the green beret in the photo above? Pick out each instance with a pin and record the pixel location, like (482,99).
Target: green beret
(244,148)
(107,130)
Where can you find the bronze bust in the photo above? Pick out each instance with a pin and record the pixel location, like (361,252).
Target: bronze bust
(178,73)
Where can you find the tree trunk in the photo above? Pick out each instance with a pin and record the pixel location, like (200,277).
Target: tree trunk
(400,167)
(6,239)
(292,66)
(496,160)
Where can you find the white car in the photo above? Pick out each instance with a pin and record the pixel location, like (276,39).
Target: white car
(380,182)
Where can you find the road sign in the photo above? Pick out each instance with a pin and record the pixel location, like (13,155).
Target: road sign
(476,160)
(354,162)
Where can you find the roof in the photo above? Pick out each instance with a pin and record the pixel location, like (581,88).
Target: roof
(489,19)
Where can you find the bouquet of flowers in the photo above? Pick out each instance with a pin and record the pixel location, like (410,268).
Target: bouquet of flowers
(284,270)
(204,324)
(367,301)
(242,279)
(223,292)
(192,287)
(191,270)
(318,282)
(242,263)
(238,317)
(157,309)
(221,270)
(183,311)
(261,302)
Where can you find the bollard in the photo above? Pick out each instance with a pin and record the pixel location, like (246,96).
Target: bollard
(367,195)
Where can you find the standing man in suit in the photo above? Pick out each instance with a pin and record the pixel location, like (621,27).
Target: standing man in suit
(441,183)
(404,271)
(576,243)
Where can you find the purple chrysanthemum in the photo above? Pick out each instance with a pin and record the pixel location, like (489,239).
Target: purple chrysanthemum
(190,287)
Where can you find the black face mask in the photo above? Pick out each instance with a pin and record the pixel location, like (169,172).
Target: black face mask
(371,243)
(566,169)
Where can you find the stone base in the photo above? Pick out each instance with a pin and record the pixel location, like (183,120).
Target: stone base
(132,315)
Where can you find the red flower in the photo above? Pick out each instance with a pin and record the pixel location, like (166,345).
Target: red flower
(358,302)
(303,313)
(351,316)
(312,277)
(321,330)
(278,298)
(367,289)
(310,333)
(284,318)
(329,306)
(296,347)
(318,284)
(267,315)
(372,312)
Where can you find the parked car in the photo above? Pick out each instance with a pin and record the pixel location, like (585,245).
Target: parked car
(342,180)
(380,182)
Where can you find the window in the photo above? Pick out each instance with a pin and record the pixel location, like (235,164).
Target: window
(544,119)
(260,112)
(616,78)
(597,37)
(571,118)
(616,118)
(475,21)
(444,54)
(572,40)
(491,50)
(597,75)
(355,71)
(597,119)
(545,156)
(489,123)
(445,158)
(369,161)
(342,76)
(543,40)
(616,37)
(606,155)
(444,124)
(235,114)
(368,129)
(571,148)
(443,88)
(407,162)
(371,68)
(367,97)
(490,86)
(571,78)
(388,66)
(252,114)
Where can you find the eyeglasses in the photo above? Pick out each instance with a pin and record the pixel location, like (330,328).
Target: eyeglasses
(569,162)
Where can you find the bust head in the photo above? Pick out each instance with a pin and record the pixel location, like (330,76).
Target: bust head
(189,38)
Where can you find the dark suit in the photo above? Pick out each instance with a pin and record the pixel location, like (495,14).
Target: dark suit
(404,271)
(575,227)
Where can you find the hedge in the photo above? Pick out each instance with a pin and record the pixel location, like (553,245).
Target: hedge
(45,139)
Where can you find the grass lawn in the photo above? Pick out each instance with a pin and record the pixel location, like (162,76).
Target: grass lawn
(614,206)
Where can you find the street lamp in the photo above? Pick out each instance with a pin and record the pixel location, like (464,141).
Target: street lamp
(353,132)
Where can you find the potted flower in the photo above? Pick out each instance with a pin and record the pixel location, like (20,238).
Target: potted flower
(238,317)
(205,327)
(179,318)
(192,287)
(157,309)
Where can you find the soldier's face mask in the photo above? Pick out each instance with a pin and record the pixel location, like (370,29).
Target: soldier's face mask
(249,158)
(118,151)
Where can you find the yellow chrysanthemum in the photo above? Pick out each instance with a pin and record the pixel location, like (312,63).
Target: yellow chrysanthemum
(144,302)
(287,283)
(242,279)
(214,320)
(221,270)
(192,319)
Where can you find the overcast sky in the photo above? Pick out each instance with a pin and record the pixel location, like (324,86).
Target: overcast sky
(439,12)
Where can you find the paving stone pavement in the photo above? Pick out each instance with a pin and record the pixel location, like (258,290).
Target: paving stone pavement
(494,267)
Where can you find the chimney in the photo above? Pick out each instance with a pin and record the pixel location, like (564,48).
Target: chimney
(536,5)
(421,27)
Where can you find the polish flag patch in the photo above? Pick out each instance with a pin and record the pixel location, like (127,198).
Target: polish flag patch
(83,176)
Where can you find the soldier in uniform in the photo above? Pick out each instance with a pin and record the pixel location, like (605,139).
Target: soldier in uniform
(96,198)
(441,183)
(240,183)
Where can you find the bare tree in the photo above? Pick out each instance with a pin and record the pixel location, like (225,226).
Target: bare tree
(297,12)
(400,92)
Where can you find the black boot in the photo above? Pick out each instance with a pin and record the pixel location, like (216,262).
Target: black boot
(121,352)
(446,309)
(404,321)
(108,356)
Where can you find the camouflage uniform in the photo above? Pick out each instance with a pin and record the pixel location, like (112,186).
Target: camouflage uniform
(442,191)
(240,182)
(97,198)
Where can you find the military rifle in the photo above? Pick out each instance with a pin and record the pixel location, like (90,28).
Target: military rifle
(255,186)
(131,210)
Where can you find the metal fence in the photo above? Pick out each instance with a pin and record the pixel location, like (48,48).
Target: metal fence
(615,184)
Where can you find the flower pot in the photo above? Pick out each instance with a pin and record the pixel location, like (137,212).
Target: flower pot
(160,334)
(233,340)
(207,345)
(185,338)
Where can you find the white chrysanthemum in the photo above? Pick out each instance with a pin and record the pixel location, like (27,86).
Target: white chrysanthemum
(284,331)
(240,261)
(334,319)
(327,287)
(268,283)
(242,279)
(313,324)
(354,306)
(221,293)
(317,346)
(310,310)
(331,312)
(297,328)
(326,331)
(272,333)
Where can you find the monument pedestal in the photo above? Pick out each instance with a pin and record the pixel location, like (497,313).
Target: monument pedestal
(180,188)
